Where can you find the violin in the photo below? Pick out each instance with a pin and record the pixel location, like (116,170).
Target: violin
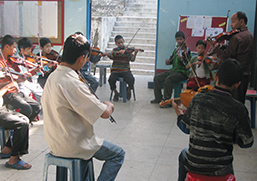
(95,51)
(208,59)
(187,95)
(21,61)
(35,59)
(53,55)
(132,49)
(224,35)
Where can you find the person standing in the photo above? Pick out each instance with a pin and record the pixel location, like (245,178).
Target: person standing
(241,48)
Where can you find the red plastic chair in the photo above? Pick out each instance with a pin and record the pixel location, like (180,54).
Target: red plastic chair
(196,177)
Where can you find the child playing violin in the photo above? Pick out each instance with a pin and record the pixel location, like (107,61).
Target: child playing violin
(179,58)
(28,106)
(121,66)
(201,71)
(25,47)
(46,47)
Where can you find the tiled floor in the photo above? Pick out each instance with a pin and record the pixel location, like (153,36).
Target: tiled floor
(147,133)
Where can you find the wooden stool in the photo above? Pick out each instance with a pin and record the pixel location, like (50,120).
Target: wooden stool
(123,90)
(73,164)
(251,95)
(102,69)
(196,177)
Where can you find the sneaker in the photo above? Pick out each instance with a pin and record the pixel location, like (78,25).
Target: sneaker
(154,101)
(116,97)
(128,94)
(166,106)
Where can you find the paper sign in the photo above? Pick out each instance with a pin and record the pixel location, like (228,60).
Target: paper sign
(197,32)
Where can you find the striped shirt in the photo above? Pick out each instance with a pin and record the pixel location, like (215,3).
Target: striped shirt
(120,61)
(214,120)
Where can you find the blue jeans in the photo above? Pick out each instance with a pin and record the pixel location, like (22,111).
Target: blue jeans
(181,169)
(113,156)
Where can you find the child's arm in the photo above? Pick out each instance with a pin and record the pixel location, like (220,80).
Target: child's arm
(134,55)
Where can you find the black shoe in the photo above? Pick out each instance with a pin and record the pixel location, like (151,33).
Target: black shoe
(154,101)
(128,93)
(116,97)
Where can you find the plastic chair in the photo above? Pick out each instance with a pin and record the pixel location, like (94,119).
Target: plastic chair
(178,87)
(251,95)
(73,164)
(196,177)
(102,76)
(123,90)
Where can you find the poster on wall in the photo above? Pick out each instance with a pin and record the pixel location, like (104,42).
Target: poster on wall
(200,27)
(28,18)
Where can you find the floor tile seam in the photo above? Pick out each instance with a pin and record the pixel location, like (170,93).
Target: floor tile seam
(160,153)
(39,154)
(126,125)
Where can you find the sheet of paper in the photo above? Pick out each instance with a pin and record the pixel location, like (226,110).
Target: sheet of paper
(11,12)
(207,22)
(30,18)
(190,22)
(50,19)
(198,22)
(197,32)
(212,32)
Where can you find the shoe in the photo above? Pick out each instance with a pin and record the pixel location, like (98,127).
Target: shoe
(128,94)
(166,106)
(19,165)
(116,97)
(154,101)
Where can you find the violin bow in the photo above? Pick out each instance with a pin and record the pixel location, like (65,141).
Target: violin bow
(40,53)
(188,61)
(7,66)
(133,37)
(91,90)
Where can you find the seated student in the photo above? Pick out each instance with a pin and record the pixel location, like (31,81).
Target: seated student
(70,110)
(46,47)
(200,74)
(28,106)
(11,120)
(214,120)
(25,47)
(92,80)
(121,67)
(179,59)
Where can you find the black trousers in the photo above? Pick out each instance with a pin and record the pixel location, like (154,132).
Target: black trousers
(19,123)
(168,79)
(28,106)
(126,75)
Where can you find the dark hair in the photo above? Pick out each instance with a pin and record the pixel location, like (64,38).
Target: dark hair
(24,43)
(73,48)
(79,33)
(44,41)
(242,15)
(8,40)
(180,34)
(201,42)
(230,72)
(117,38)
